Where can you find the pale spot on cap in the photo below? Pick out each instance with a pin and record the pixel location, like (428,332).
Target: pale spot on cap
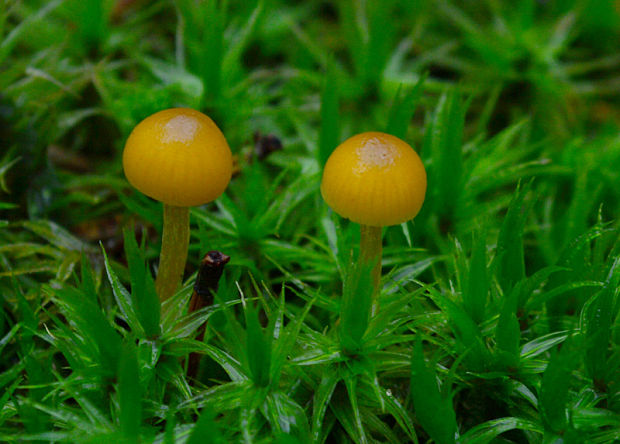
(375,154)
(180,129)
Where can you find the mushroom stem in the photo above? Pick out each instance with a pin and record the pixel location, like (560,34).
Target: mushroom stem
(173,255)
(370,252)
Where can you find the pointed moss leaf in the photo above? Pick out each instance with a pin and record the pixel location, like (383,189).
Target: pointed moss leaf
(345,419)
(57,235)
(78,352)
(542,344)
(476,292)
(173,74)
(400,413)
(509,257)
(212,49)
(246,229)
(358,429)
(171,423)
(445,138)
(355,36)
(287,341)
(433,409)
(15,372)
(87,283)
(144,207)
(356,305)
(555,386)
(27,315)
(143,295)
(23,28)
(258,348)
(204,32)
(9,336)
(30,417)
(235,47)
(468,335)
(508,331)
(599,316)
(329,135)
(129,392)
(574,253)
(258,191)
(122,296)
(8,391)
(279,203)
(149,353)
(206,429)
(320,403)
(287,203)
(95,413)
(486,432)
(285,415)
(343,238)
(409,273)
(403,108)
(552,298)
(380,40)
(380,427)
(231,329)
(229,396)
(93,325)
(528,296)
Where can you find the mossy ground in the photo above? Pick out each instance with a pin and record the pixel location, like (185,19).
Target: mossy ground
(498,317)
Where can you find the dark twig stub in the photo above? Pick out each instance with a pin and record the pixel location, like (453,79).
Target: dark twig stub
(265,144)
(209,274)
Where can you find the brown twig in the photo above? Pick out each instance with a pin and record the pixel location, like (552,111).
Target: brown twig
(209,274)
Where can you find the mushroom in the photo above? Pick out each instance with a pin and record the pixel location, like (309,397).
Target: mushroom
(177,156)
(374,179)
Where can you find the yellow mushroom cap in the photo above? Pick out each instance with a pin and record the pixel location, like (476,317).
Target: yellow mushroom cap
(179,157)
(374,179)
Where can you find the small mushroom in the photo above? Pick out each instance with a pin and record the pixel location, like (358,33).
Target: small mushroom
(374,179)
(177,156)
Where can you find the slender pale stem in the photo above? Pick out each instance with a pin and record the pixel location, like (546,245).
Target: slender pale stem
(370,251)
(173,255)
